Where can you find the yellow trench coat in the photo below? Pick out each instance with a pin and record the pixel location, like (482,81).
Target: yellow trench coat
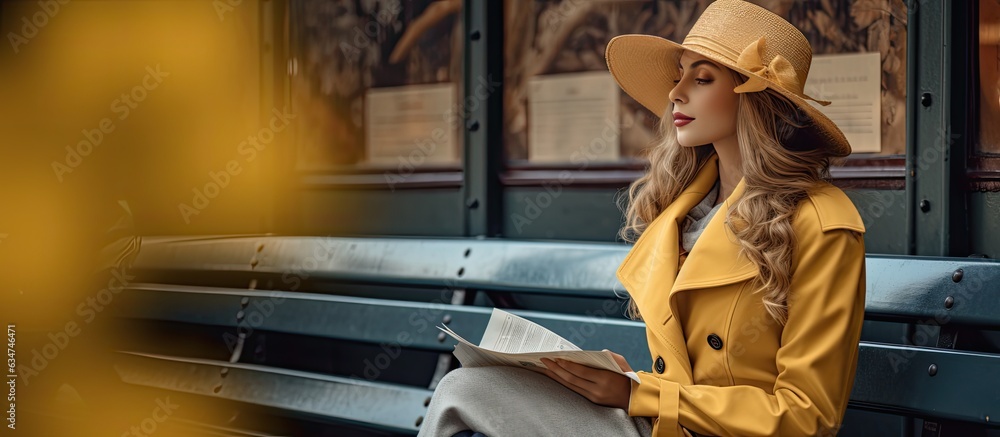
(721,365)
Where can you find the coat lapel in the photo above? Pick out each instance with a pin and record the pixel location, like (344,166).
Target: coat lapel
(650,274)
(716,259)
(649,270)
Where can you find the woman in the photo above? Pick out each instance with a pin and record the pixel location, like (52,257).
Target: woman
(754,330)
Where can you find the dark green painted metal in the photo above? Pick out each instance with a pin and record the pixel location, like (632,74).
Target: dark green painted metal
(918,288)
(935,154)
(483,128)
(901,287)
(566,214)
(864,423)
(591,214)
(431,212)
(984,218)
(894,378)
(403,323)
(575,269)
(199,305)
(886,372)
(884,215)
(885,332)
(327,398)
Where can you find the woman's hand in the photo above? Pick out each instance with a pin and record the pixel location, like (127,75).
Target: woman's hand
(602,387)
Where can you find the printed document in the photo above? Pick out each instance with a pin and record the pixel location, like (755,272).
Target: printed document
(510,340)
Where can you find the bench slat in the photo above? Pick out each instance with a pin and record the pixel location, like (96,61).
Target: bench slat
(916,288)
(198,305)
(314,396)
(965,387)
(898,288)
(491,264)
(408,324)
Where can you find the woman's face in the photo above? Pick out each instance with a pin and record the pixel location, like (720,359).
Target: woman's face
(704,104)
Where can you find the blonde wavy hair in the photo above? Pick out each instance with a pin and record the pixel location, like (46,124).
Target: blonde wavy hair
(781,163)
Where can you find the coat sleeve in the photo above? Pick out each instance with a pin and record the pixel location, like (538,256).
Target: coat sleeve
(816,360)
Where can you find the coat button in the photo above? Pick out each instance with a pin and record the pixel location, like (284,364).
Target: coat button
(715,341)
(660,367)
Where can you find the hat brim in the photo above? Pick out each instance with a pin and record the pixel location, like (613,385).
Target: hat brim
(645,67)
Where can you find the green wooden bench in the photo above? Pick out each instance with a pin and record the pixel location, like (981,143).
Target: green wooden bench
(338,333)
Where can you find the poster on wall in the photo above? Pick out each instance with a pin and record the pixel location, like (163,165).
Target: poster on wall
(411,124)
(573,117)
(852,83)
(341,49)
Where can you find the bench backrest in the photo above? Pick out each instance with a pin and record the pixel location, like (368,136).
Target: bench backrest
(389,293)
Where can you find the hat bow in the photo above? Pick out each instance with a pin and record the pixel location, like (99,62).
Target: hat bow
(779,71)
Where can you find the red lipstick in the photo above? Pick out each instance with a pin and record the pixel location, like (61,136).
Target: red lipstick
(681,119)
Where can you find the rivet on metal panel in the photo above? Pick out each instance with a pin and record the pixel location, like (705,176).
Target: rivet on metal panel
(441,337)
(224,371)
(240,315)
(428,402)
(253,284)
(253,262)
(419,421)
(474,35)
(217,388)
(925,99)
(260,247)
(446,319)
(925,205)
(949,302)
(244,302)
(932,370)
(957,275)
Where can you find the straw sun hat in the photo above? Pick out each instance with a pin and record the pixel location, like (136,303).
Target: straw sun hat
(742,36)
